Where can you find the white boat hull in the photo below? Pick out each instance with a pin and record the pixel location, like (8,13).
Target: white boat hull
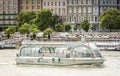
(58,61)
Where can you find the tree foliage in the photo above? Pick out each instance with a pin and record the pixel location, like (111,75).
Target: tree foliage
(33,28)
(44,19)
(24,29)
(67,27)
(110,19)
(59,27)
(48,31)
(85,25)
(56,20)
(25,17)
(10,30)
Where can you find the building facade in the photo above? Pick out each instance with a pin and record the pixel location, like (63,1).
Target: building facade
(58,7)
(72,11)
(78,10)
(8,13)
(118,4)
(30,5)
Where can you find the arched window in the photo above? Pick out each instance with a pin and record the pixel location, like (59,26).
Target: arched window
(79,10)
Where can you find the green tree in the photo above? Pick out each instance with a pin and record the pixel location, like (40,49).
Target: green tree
(34,29)
(67,27)
(24,29)
(10,30)
(56,20)
(59,27)
(44,19)
(25,17)
(85,25)
(110,19)
(48,31)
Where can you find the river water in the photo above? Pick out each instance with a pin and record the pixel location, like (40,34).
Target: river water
(111,66)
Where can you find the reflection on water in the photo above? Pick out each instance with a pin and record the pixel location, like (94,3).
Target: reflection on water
(111,67)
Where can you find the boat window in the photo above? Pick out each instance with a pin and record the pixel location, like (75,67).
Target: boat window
(97,53)
(35,52)
(29,51)
(82,51)
(61,52)
(52,50)
(26,51)
(44,50)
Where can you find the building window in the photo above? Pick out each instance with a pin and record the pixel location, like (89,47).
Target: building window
(75,2)
(32,7)
(55,10)
(21,7)
(84,9)
(84,1)
(38,1)
(95,19)
(9,22)
(70,19)
(89,1)
(104,1)
(70,9)
(14,8)
(51,3)
(79,10)
(27,7)
(59,10)
(14,2)
(95,1)
(44,3)
(114,1)
(101,1)
(9,17)
(38,7)
(3,8)
(59,3)
(32,1)
(27,2)
(89,19)
(74,9)
(8,8)
(55,3)
(79,1)
(89,9)
(14,11)
(48,3)
(74,19)
(8,11)
(3,2)
(101,9)
(63,3)
(69,1)
(8,2)
(63,10)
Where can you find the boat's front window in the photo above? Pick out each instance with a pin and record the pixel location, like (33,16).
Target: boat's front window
(97,53)
(82,51)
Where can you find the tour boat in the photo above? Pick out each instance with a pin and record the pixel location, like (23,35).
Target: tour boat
(59,53)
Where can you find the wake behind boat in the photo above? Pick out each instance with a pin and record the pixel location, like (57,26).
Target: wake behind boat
(58,53)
